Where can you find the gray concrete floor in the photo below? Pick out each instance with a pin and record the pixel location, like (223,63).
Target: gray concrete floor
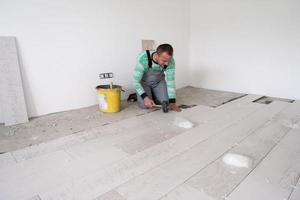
(230,146)
(52,126)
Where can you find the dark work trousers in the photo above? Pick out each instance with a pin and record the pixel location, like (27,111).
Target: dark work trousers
(155,86)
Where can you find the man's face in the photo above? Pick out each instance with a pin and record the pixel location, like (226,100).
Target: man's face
(163,58)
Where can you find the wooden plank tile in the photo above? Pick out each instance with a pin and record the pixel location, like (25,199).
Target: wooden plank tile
(93,154)
(159,181)
(105,179)
(17,181)
(276,176)
(219,180)
(215,178)
(111,195)
(12,100)
(186,192)
(110,134)
(163,132)
(53,169)
(125,130)
(134,126)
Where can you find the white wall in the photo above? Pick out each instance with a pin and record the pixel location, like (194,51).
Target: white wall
(65,44)
(250,46)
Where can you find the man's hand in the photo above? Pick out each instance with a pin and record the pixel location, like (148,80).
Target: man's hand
(174,107)
(148,102)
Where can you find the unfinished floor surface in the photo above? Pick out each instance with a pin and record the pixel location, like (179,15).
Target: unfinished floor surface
(238,150)
(52,126)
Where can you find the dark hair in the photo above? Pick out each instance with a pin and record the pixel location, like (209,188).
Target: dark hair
(165,48)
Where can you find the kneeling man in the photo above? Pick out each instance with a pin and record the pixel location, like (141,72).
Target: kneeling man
(154,78)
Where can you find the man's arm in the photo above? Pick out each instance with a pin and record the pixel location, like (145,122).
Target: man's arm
(137,77)
(170,78)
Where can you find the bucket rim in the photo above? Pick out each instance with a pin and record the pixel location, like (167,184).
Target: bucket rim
(107,87)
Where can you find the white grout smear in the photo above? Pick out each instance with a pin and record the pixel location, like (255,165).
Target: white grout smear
(290,124)
(183,123)
(294,126)
(186,124)
(237,160)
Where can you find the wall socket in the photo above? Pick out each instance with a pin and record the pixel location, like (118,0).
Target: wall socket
(106,75)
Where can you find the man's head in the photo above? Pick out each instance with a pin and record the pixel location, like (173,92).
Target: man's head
(164,54)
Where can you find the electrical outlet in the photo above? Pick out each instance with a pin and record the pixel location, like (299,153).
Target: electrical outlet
(110,75)
(106,75)
(102,76)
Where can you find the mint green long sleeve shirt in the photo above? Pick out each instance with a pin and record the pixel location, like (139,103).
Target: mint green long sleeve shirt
(142,67)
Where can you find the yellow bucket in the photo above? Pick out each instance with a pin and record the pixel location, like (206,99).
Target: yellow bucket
(109,98)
